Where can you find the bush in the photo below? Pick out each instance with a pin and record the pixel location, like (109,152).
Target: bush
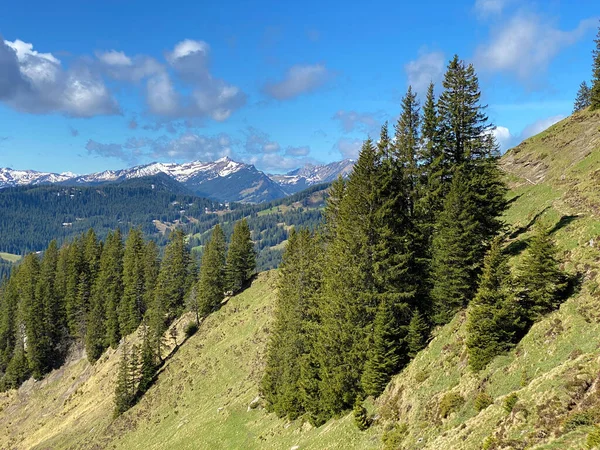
(482,401)
(361,417)
(190,329)
(579,419)
(450,402)
(593,439)
(510,402)
(421,376)
(392,438)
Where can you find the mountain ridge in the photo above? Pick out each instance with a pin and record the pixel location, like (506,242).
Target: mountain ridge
(224,180)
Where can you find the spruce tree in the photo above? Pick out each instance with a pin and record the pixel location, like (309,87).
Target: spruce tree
(241,257)
(541,282)
(595,91)
(382,359)
(109,285)
(75,267)
(295,314)
(9,300)
(148,364)
(417,335)
(583,99)
(455,252)
(124,394)
(493,315)
(133,303)
(211,285)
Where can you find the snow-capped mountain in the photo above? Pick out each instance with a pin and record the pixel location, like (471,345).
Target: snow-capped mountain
(223,180)
(309,175)
(10,177)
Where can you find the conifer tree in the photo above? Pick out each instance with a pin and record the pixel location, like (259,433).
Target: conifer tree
(361,417)
(54,315)
(331,211)
(299,284)
(583,99)
(148,364)
(383,358)
(540,280)
(241,257)
(418,332)
(493,315)
(109,285)
(133,303)
(455,252)
(9,300)
(595,90)
(75,267)
(124,394)
(211,285)
(18,369)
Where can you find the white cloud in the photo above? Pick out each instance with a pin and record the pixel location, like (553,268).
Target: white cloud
(188,47)
(503,136)
(486,8)
(297,151)
(539,126)
(191,146)
(161,96)
(298,80)
(526,45)
(114,58)
(36,82)
(348,148)
(427,68)
(352,120)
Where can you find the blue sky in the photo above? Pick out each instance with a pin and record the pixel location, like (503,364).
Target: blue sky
(88,86)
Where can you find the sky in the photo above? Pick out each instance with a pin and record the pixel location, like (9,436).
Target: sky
(95,85)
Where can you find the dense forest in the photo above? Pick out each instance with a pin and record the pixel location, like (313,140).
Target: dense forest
(95,292)
(412,237)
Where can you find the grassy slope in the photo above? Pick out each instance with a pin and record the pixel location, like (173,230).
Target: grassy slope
(200,400)
(202,396)
(9,257)
(554,370)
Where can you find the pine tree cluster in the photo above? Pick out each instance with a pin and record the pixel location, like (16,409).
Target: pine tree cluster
(97,292)
(401,250)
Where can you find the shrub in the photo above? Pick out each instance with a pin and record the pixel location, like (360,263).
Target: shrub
(190,329)
(450,402)
(392,438)
(421,376)
(489,443)
(482,401)
(361,417)
(510,402)
(579,419)
(593,439)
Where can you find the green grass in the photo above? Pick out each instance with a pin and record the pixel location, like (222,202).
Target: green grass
(9,257)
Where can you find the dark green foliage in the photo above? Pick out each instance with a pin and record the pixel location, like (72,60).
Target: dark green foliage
(455,252)
(210,289)
(191,329)
(148,364)
(135,283)
(450,402)
(361,417)
(18,369)
(584,97)
(540,281)
(510,401)
(482,401)
(418,333)
(299,283)
(241,257)
(595,91)
(494,316)
(383,355)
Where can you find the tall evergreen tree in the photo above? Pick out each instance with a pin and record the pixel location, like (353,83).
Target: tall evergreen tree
(124,389)
(583,99)
(418,332)
(493,316)
(540,280)
(383,358)
(455,252)
(211,285)
(9,300)
(133,303)
(110,285)
(595,91)
(299,283)
(241,257)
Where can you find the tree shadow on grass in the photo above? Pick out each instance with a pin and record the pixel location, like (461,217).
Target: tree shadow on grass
(563,222)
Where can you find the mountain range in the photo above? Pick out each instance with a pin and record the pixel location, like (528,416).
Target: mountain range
(224,180)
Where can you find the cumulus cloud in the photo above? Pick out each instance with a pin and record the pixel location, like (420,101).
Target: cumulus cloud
(74,132)
(348,148)
(506,139)
(117,65)
(487,8)
(352,120)
(258,141)
(298,80)
(191,146)
(427,68)
(108,151)
(35,82)
(503,137)
(527,44)
(273,162)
